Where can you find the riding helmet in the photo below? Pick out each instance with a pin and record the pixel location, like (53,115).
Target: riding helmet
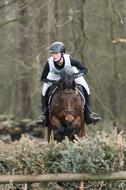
(57,47)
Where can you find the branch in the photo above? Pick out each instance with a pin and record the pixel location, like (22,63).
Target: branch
(65,23)
(9,21)
(121,20)
(66,177)
(8,4)
(119,41)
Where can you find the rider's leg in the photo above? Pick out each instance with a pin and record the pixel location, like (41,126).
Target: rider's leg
(42,119)
(90,117)
(81,81)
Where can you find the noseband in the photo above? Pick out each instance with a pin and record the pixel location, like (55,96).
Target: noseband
(71,112)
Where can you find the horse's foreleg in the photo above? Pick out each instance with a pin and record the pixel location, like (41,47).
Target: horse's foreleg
(70,131)
(80,128)
(58,128)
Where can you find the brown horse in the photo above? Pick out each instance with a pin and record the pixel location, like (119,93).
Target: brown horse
(66,116)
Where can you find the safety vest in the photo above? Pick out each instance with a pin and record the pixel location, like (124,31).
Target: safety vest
(67,67)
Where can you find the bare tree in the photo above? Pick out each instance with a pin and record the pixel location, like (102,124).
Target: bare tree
(24,62)
(112,22)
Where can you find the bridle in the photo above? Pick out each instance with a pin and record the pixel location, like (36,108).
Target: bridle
(71,112)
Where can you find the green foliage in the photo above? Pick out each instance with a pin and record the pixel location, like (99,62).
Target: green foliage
(102,153)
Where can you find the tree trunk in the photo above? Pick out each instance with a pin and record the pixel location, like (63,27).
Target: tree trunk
(112,22)
(63,23)
(52,21)
(23,56)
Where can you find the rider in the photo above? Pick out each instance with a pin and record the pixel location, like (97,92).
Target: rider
(51,73)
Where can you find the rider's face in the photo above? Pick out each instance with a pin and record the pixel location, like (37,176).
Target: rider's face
(56,56)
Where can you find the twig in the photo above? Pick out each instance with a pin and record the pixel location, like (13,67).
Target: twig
(25,186)
(82,185)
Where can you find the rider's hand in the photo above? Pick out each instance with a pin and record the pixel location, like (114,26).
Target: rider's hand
(55,82)
(79,74)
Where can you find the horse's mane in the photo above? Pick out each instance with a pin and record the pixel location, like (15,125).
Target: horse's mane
(68,78)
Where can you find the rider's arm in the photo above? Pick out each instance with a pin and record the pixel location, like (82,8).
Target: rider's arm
(80,66)
(45,73)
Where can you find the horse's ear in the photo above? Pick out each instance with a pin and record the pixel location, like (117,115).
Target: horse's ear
(63,85)
(73,85)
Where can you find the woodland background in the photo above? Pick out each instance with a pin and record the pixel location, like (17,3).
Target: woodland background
(91,31)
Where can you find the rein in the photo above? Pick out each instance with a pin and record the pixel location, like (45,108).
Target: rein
(68,92)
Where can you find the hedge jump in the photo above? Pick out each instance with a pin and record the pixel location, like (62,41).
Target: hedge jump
(67,177)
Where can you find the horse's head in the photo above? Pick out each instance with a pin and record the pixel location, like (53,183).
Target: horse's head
(68,96)
(67,79)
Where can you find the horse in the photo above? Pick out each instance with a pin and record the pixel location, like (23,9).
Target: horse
(66,114)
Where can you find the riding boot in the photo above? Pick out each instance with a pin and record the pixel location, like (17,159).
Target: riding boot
(41,120)
(90,117)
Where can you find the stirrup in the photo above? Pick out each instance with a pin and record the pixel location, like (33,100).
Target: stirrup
(95,118)
(41,121)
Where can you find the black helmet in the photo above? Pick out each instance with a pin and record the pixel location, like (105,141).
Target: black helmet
(57,47)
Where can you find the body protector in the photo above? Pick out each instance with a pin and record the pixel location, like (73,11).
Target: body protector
(54,74)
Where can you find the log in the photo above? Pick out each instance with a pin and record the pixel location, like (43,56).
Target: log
(5,117)
(68,177)
(13,127)
(8,125)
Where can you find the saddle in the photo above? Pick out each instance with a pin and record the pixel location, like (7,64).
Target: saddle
(51,91)
(83,95)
